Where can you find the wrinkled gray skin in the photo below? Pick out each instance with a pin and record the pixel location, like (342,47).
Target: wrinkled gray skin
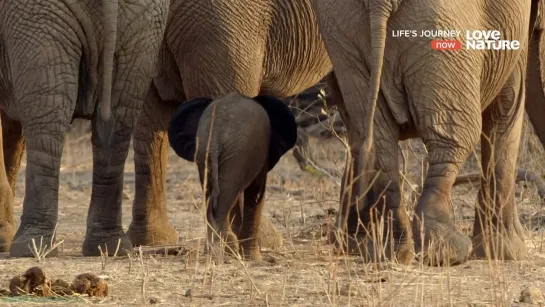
(212,48)
(535,93)
(56,64)
(235,141)
(446,98)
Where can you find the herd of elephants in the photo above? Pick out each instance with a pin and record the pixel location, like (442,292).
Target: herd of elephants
(206,76)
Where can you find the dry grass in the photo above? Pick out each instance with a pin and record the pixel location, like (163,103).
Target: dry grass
(305,271)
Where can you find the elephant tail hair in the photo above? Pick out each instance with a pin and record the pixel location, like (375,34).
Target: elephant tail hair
(110,13)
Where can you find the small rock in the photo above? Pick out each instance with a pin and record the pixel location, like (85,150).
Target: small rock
(188,293)
(298,192)
(154,300)
(531,295)
(270,259)
(276,189)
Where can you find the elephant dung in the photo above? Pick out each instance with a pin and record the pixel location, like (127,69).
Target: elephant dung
(90,284)
(33,281)
(61,287)
(531,295)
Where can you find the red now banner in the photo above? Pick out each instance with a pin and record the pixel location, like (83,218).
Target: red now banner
(446,45)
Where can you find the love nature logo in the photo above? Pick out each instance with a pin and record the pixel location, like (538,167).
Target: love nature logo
(474,40)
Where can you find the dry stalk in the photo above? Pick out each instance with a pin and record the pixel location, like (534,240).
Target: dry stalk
(104,258)
(40,252)
(144,276)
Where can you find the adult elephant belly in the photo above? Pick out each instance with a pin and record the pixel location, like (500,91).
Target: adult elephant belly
(212,48)
(296,57)
(284,83)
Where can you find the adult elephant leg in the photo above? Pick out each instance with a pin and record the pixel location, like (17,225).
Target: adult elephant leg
(344,46)
(450,133)
(104,227)
(388,229)
(135,66)
(45,88)
(7,193)
(497,232)
(14,148)
(150,225)
(379,218)
(349,217)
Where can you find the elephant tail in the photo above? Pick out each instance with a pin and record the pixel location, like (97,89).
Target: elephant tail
(104,125)
(110,10)
(380,11)
(215,181)
(210,185)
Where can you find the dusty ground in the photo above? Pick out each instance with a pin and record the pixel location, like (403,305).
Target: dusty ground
(302,273)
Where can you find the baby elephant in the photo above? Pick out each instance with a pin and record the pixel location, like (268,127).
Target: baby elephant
(236,141)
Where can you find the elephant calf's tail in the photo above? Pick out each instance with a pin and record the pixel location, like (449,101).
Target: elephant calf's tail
(214,172)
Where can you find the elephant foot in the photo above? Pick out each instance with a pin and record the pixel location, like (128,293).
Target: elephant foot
(152,235)
(7,232)
(112,244)
(268,236)
(223,240)
(251,254)
(441,244)
(33,242)
(370,250)
(378,240)
(506,245)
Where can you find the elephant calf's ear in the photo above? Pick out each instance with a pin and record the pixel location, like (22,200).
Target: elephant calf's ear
(182,128)
(283,127)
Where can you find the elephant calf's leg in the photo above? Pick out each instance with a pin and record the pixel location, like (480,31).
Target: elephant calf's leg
(248,236)
(497,232)
(220,227)
(267,236)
